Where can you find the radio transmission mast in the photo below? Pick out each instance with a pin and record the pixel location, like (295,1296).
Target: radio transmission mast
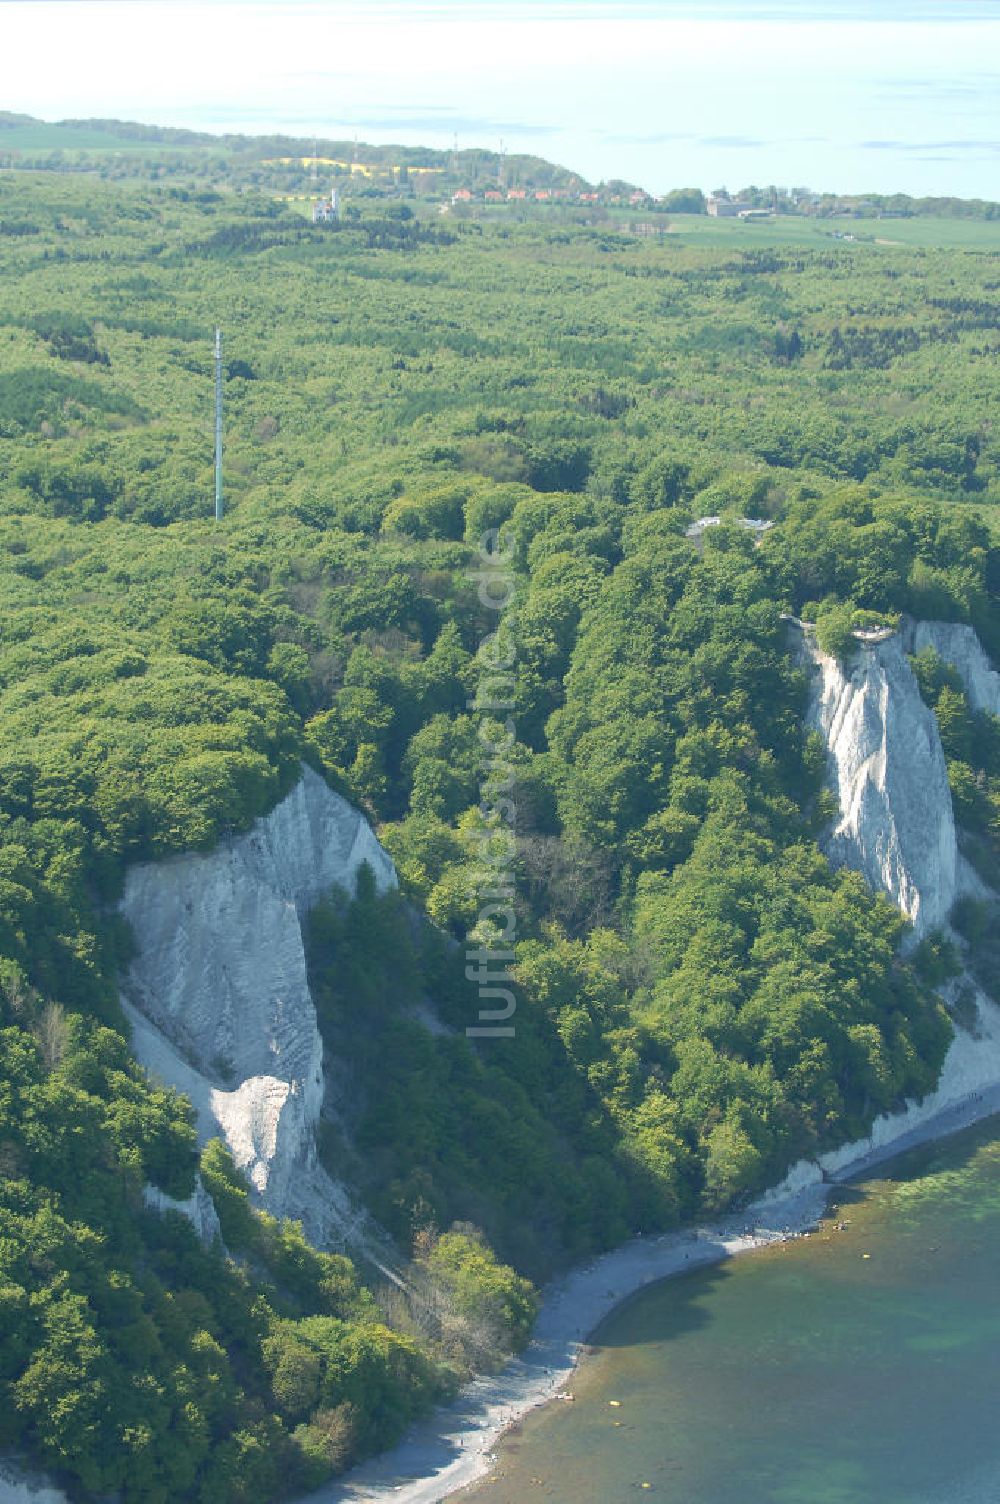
(218,425)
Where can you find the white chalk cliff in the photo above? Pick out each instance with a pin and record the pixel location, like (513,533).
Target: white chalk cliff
(887,766)
(959,646)
(19,1485)
(887,769)
(218,995)
(895,825)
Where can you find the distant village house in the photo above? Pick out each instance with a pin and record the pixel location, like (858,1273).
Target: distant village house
(721,206)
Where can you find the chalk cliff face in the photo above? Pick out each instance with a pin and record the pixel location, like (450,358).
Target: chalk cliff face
(199,1208)
(20,1486)
(887,769)
(218,994)
(959,646)
(887,765)
(895,825)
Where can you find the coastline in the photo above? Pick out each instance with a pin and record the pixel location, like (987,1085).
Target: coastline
(452,1448)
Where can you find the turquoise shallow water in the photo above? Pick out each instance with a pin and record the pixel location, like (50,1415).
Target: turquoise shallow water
(806,1374)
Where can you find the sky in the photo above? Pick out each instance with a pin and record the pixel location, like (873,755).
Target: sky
(842,95)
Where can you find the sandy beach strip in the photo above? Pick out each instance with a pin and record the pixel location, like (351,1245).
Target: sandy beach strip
(453,1448)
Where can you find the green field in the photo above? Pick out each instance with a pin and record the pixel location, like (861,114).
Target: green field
(960,234)
(80,140)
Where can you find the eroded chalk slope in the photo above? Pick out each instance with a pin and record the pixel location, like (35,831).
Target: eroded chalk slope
(218,992)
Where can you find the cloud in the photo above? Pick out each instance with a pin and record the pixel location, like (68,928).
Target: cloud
(737,142)
(653,138)
(970,87)
(448,121)
(924,146)
(784,11)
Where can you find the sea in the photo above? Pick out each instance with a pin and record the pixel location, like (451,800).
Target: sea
(856,1365)
(850,96)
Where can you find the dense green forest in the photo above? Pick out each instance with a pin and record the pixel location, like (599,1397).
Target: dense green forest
(701,1000)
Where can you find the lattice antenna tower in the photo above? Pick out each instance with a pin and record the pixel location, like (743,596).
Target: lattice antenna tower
(218,425)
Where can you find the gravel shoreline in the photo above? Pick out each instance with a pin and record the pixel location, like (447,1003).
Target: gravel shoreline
(453,1447)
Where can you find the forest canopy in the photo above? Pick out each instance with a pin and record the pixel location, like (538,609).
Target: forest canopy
(701,999)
